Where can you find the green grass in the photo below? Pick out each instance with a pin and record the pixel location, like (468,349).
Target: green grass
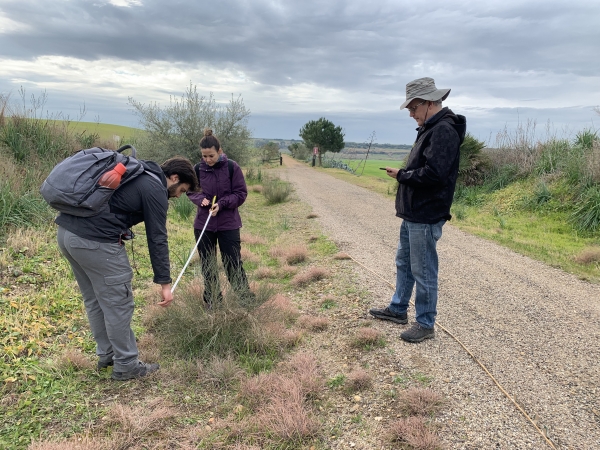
(43,316)
(106,131)
(371,167)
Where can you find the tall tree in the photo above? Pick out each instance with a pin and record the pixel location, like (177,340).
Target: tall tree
(324,135)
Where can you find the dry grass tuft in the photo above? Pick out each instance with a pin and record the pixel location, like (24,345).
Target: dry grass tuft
(285,417)
(75,443)
(312,216)
(313,239)
(250,239)
(366,336)
(151,314)
(25,241)
(222,372)
(256,391)
(296,254)
(304,369)
(264,272)
(149,349)
(288,271)
(240,446)
(256,188)
(278,307)
(341,255)
(309,276)
(420,401)
(134,423)
(589,255)
(413,431)
(313,323)
(74,359)
(248,256)
(358,380)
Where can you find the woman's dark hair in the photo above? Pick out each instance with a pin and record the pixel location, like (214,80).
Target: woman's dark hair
(209,140)
(183,168)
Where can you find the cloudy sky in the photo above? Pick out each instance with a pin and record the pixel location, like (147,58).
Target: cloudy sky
(296,60)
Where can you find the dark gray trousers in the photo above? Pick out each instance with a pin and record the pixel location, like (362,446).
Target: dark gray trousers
(104,276)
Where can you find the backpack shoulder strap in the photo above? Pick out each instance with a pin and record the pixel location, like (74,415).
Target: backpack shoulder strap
(230,166)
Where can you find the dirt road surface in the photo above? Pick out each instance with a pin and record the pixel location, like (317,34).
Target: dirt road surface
(536,328)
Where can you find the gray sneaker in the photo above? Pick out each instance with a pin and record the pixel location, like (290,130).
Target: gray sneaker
(140,371)
(417,333)
(386,314)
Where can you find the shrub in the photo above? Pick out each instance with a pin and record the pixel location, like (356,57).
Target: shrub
(254,175)
(276,191)
(178,127)
(586,216)
(541,195)
(472,163)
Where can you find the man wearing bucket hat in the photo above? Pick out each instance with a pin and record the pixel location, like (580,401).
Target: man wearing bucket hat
(425,193)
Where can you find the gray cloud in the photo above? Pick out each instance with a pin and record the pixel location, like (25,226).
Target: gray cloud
(504,54)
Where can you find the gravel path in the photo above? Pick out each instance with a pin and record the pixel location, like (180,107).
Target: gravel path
(537,329)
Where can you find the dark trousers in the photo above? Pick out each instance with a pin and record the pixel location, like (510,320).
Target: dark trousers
(230,245)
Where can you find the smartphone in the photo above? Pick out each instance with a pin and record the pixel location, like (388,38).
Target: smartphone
(382,168)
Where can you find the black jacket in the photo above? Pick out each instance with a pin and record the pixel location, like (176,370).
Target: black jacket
(143,199)
(427,183)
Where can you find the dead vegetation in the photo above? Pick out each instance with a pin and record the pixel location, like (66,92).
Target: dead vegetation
(309,276)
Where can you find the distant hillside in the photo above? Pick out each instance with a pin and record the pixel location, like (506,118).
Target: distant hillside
(284,143)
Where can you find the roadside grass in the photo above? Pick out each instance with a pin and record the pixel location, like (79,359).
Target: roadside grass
(532,215)
(52,394)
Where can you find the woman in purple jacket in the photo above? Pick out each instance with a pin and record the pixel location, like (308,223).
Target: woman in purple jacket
(224,179)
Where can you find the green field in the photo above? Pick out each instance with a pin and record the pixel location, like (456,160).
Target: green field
(371,167)
(106,131)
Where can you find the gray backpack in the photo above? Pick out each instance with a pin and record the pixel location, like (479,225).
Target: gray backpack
(72,186)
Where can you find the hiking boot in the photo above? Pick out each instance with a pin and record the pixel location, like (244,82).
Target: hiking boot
(140,371)
(417,333)
(103,364)
(386,314)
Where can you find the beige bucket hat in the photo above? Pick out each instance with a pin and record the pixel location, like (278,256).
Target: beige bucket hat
(424,88)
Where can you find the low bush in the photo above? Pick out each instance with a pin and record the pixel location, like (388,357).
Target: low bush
(586,216)
(276,191)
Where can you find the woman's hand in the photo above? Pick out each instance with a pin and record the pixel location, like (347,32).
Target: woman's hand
(205,202)
(214,210)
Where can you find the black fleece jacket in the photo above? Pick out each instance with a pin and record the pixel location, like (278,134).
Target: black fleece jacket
(143,199)
(426,185)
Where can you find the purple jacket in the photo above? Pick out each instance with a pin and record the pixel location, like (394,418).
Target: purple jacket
(231,194)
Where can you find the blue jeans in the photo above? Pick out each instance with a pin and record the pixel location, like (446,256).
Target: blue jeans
(417,261)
